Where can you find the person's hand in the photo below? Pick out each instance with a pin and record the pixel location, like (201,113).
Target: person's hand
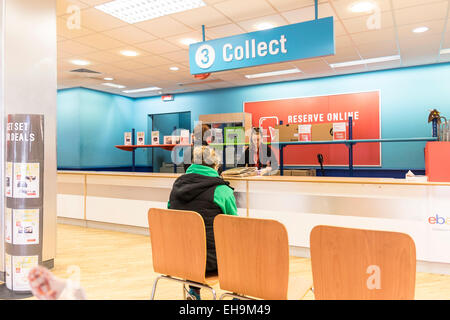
(44,285)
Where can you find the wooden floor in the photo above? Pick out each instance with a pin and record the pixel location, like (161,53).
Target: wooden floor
(117,265)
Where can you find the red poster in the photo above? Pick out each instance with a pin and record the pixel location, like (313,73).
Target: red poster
(364,107)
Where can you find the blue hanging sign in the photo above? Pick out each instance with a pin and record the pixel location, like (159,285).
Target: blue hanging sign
(292,42)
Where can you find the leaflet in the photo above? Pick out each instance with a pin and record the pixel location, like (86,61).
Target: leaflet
(26,182)
(8,224)
(26,226)
(21,267)
(8,179)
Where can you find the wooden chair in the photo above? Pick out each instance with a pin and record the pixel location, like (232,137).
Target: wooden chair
(253,259)
(178,240)
(355,264)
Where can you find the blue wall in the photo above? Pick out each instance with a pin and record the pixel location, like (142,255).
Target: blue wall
(406,96)
(90,123)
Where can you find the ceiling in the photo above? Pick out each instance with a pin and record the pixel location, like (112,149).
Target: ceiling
(102,37)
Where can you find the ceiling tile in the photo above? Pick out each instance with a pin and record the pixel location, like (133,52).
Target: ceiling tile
(399,4)
(178,56)
(99,21)
(366,23)
(153,61)
(129,34)
(378,49)
(308,13)
(163,27)
(343,54)
(428,12)
(285,5)
(374,36)
(239,10)
(383,65)
(251,25)
(351,69)
(95,2)
(158,46)
(435,27)
(343,8)
(195,18)
(74,48)
(63,29)
(312,67)
(196,36)
(62,6)
(227,30)
(421,50)
(99,42)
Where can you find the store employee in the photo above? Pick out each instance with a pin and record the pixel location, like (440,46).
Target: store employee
(258,155)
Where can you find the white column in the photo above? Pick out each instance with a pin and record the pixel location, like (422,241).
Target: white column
(28,85)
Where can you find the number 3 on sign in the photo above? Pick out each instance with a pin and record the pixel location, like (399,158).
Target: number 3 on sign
(205,56)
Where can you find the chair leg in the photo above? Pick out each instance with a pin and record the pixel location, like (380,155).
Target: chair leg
(234,295)
(213,293)
(184,291)
(155,283)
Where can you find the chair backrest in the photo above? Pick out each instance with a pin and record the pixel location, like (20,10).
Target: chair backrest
(178,241)
(252,256)
(354,264)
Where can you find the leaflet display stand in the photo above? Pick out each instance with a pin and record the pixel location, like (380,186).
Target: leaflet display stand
(23,212)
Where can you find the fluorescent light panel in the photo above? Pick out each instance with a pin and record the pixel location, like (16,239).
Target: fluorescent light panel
(80,62)
(445,51)
(142,90)
(113,85)
(134,11)
(364,61)
(271,74)
(362,6)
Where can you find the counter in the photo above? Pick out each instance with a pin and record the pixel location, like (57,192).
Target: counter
(120,201)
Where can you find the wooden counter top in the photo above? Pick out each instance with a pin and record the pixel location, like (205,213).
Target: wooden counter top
(309,179)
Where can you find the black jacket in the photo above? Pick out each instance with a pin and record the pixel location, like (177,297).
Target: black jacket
(195,192)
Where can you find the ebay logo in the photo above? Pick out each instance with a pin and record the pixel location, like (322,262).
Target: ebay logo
(439,220)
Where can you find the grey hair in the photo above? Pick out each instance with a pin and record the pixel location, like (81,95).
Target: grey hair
(206,156)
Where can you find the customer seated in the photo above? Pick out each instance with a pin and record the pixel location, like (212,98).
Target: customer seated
(202,190)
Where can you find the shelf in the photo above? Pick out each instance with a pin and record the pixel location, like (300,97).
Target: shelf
(168,147)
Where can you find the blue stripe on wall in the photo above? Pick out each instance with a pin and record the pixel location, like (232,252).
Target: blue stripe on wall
(407,94)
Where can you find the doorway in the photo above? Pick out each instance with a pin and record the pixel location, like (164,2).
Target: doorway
(168,124)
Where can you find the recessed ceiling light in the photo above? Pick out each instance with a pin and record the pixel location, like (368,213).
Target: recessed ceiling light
(133,11)
(108,79)
(362,6)
(129,53)
(445,51)
(264,26)
(174,68)
(113,85)
(80,62)
(271,74)
(420,29)
(188,41)
(142,90)
(364,61)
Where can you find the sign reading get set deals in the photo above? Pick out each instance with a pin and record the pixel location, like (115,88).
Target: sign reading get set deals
(292,42)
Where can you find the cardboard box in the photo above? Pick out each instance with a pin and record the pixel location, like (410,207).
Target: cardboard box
(303,172)
(287,132)
(322,132)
